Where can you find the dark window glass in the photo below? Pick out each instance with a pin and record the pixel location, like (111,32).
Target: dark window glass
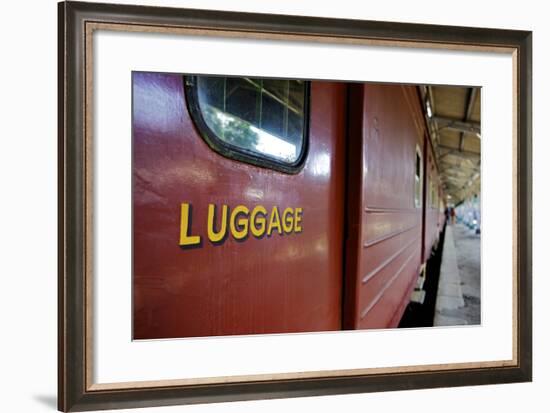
(263,117)
(418,179)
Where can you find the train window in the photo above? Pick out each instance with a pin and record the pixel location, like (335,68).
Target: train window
(418,179)
(259,121)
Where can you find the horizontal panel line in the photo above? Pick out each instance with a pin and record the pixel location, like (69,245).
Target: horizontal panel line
(388,285)
(370,209)
(388,261)
(388,236)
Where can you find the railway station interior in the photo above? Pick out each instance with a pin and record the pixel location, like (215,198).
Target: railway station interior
(452,296)
(289,205)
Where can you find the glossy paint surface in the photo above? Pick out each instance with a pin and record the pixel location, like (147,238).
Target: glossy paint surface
(276,284)
(385,227)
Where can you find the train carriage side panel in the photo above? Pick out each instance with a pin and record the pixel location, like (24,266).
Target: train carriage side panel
(383,247)
(431,202)
(278,283)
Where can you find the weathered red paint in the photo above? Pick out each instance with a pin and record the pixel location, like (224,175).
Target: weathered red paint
(363,137)
(431,211)
(385,228)
(276,284)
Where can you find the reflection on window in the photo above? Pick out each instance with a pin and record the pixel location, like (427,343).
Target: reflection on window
(261,116)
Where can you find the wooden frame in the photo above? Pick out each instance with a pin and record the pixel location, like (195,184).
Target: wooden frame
(76,23)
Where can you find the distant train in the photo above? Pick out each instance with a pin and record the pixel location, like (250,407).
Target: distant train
(277,205)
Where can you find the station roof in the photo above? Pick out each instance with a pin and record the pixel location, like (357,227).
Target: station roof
(453,114)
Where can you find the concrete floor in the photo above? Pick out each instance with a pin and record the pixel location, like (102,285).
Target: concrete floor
(459,290)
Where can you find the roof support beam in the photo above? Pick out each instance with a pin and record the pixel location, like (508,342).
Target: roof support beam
(471,100)
(469,107)
(432,129)
(455,151)
(459,125)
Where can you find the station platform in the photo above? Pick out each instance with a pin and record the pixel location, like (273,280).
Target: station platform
(459,290)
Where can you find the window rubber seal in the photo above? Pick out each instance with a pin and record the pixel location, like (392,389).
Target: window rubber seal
(241,154)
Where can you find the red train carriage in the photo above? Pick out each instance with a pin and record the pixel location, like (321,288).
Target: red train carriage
(384,204)
(271,205)
(432,208)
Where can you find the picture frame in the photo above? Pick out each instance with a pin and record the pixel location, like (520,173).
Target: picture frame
(77,22)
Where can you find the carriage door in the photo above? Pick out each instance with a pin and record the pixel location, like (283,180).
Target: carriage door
(384,218)
(238,194)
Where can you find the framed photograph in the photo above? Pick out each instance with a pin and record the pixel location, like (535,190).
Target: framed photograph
(259,206)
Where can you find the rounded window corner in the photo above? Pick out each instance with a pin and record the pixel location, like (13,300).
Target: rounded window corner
(233,128)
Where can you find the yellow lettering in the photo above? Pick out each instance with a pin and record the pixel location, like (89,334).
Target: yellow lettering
(239,228)
(297,220)
(274,221)
(288,220)
(185,228)
(258,216)
(238,222)
(212,234)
